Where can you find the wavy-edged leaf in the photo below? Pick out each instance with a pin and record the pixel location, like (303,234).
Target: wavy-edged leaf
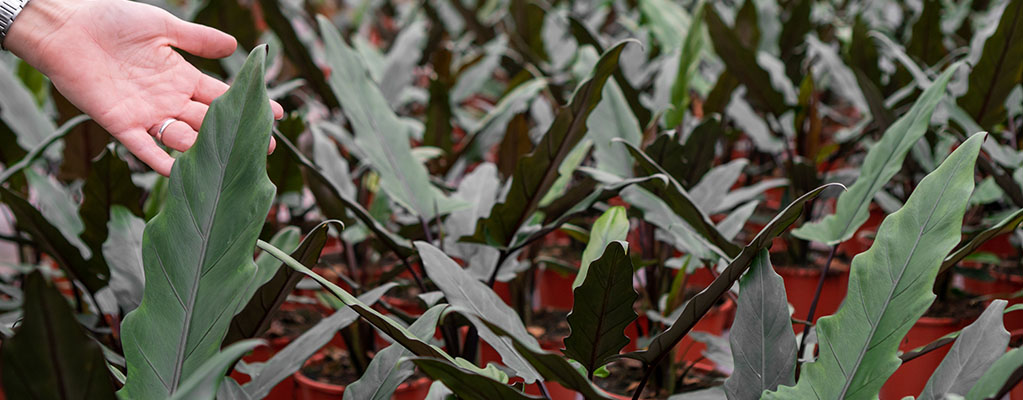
(602,309)
(387,371)
(890,287)
(463,291)
(676,197)
(699,305)
(396,243)
(994,380)
(108,184)
(272,284)
(688,59)
(762,341)
(208,377)
(536,172)
(386,325)
(123,253)
(883,161)
(468,384)
(553,367)
(584,36)
(50,356)
(998,70)
(378,131)
(612,226)
(979,345)
(741,62)
(291,357)
(51,241)
(1004,226)
(197,252)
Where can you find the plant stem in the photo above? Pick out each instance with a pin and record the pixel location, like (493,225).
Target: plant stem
(813,306)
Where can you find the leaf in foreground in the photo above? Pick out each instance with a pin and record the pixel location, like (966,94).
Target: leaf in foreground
(979,345)
(197,252)
(883,161)
(890,286)
(762,341)
(467,384)
(50,355)
(602,309)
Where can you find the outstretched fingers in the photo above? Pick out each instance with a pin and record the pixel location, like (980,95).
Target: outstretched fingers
(200,40)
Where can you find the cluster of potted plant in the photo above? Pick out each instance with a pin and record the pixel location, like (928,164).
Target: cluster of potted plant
(538,200)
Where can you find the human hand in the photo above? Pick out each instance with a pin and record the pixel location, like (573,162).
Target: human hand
(113,59)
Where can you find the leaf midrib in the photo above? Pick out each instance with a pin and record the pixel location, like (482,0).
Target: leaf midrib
(998,65)
(895,284)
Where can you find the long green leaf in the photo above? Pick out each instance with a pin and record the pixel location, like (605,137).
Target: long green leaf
(762,341)
(688,59)
(464,291)
(700,304)
(291,357)
(197,252)
(386,325)
(602,309)
(999,69)
(537,171)
(889,286)
(1004,226)
(50,355)
(883,161)
(925,43)
(378,132)
(676,197)
(387,371)
(978,346)
(467,384)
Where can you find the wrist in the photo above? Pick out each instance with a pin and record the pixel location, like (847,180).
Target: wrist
(36,22)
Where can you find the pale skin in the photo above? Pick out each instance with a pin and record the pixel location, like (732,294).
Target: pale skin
(116,61)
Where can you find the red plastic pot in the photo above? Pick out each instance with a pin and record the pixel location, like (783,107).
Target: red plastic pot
(310,389)
(911,377)
(554,290)
(715,322)
(801,283)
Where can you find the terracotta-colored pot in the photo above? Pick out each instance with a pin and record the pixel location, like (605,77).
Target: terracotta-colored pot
(911,377)
(715,322)
(310,389)
(801,283)
(554,290)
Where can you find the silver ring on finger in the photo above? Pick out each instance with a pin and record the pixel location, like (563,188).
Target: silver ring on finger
(163,127)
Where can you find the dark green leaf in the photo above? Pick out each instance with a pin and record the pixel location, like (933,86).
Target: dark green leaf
(50,355)
(890,287)
(197,252)
(926,41)
(109,184)
(602,309)
(883,161)
(537,171)
(696,308)
(741,61)
(999,69)
(762,342)
(1005,226)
